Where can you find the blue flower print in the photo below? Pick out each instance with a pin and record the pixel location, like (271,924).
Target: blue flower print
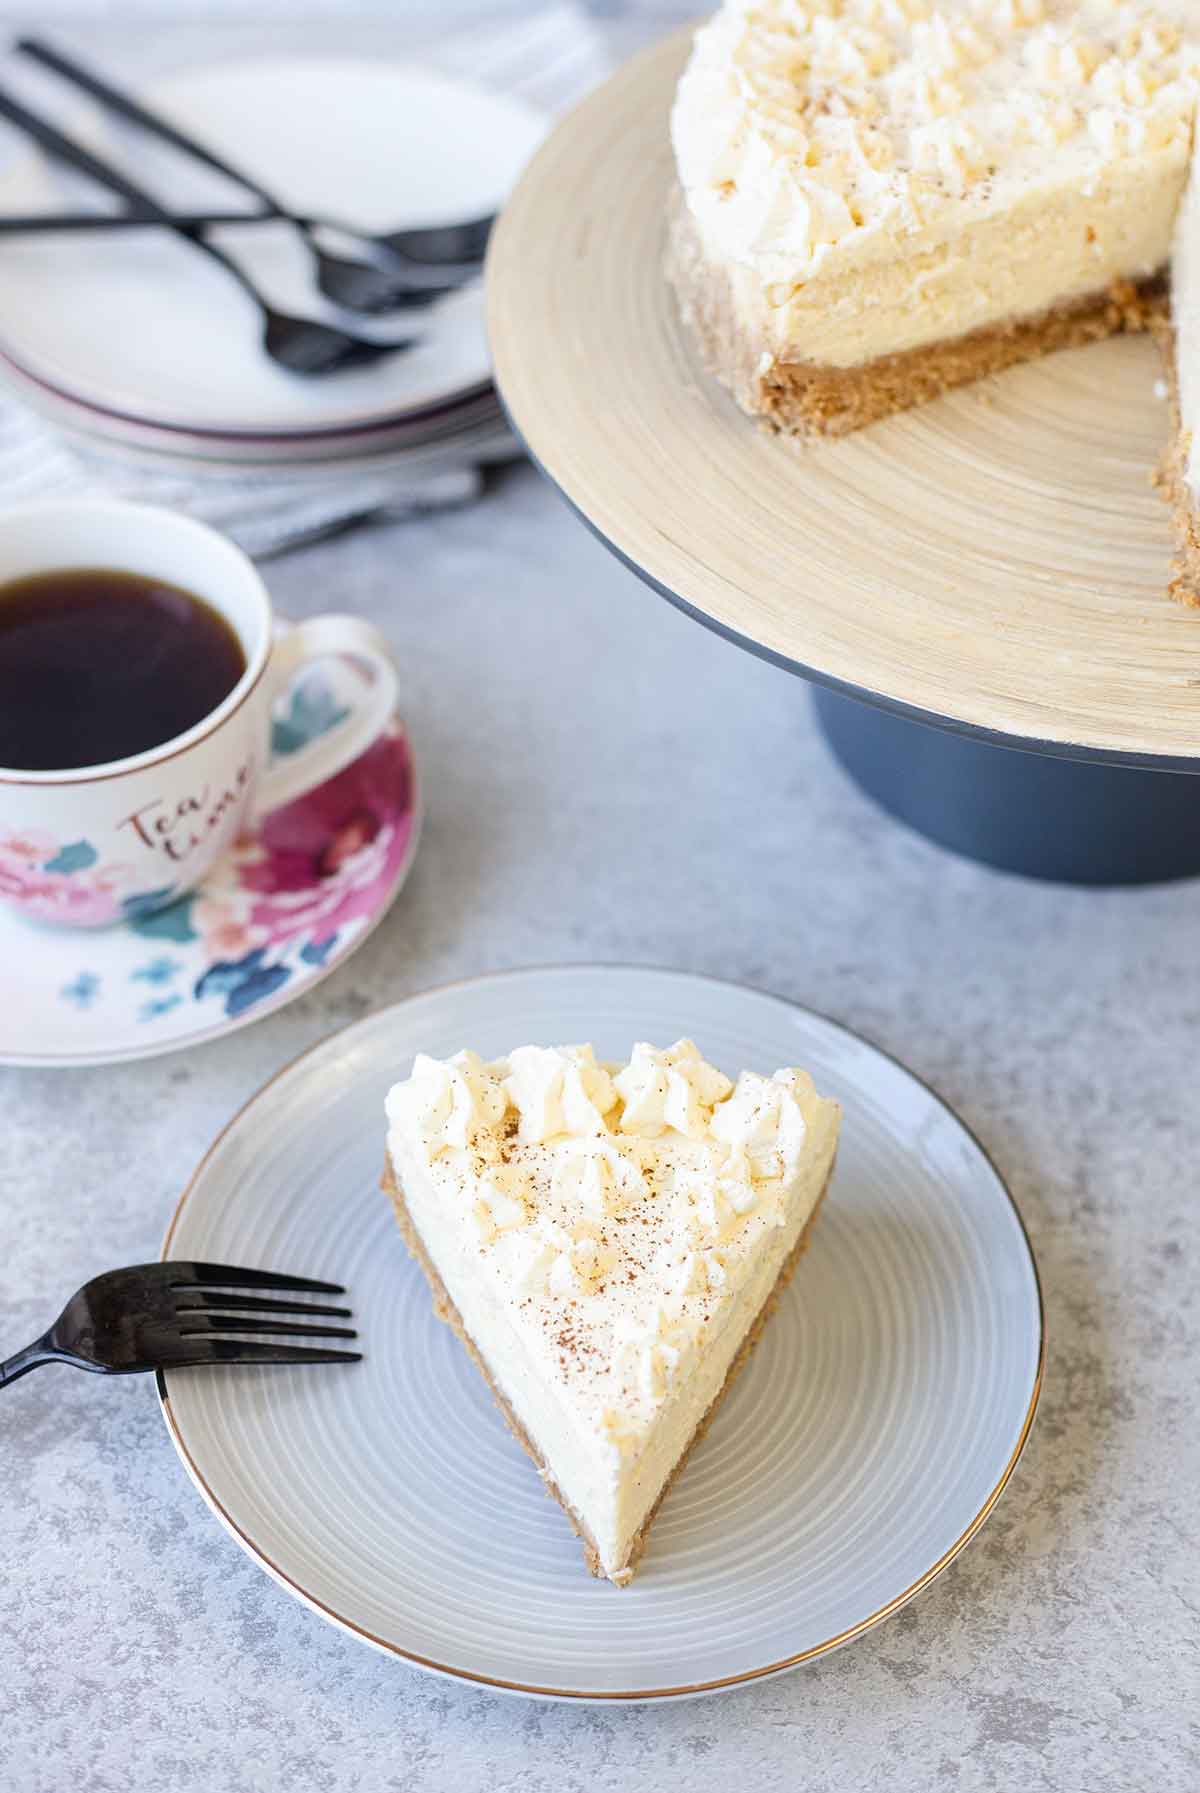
(315,952)
(312,711)
(83,991)
(173,923)
(77,856)
(242,982)
(156,971)
(158,1006)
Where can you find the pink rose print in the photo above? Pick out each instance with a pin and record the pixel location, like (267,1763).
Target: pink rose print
(323,860)
(28,846)
(286,894)
(60,882)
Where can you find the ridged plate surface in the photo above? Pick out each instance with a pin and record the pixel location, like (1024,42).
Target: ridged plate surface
(872,1430)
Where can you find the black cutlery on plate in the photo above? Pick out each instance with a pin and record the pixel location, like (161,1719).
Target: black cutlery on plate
(172,1315)
(358,285)
(18,224)
(301,345)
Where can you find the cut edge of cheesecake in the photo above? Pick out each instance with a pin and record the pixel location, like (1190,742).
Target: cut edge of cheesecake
(1179,344)
(814,399)
(445,1309)
(1171,480)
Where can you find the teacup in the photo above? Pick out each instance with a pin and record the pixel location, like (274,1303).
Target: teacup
(90,845)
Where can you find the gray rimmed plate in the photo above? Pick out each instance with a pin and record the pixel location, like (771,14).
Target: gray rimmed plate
(863,1446)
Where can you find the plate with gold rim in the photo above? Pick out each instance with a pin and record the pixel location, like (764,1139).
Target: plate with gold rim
(867,1440)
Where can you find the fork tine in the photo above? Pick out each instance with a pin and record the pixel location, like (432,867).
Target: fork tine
(186,1352)
(199,1325)
(199,1301)
(234,1276)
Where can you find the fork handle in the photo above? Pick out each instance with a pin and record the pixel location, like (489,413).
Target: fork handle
(74,155)
(125,106)
(41,1351)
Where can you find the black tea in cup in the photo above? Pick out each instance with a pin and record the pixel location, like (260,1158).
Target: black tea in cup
(98,664)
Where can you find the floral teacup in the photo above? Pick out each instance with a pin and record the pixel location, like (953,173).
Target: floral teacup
(95,844)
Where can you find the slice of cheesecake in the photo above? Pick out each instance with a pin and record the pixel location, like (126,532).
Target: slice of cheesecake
(882,199)
(608,1243)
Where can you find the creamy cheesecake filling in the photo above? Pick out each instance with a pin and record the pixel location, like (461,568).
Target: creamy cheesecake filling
(873,176)
(586,1478)
(1185,317)
(646,1475)
(998,270)
(608,1237)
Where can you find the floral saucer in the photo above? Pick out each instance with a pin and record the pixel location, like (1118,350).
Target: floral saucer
(294,897)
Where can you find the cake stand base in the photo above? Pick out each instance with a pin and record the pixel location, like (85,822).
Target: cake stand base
(1075,821)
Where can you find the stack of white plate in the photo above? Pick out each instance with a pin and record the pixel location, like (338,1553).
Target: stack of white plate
(136,342)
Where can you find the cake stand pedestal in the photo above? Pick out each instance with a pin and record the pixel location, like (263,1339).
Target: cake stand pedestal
(976,589)
(1076,821)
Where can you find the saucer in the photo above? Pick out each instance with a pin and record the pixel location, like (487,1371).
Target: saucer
(296,895)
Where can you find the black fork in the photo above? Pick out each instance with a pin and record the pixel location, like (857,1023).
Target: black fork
(299,344)
(170,1315)
(359,285)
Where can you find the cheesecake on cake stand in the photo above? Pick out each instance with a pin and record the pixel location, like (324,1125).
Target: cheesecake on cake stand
(837,323)
(879,202)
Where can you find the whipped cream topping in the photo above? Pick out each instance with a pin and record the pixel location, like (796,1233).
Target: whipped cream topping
(805,127)
(558,1091)
(617,1210)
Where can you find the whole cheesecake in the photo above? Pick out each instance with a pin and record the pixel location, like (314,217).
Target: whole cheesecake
(608,1241)
(881,199)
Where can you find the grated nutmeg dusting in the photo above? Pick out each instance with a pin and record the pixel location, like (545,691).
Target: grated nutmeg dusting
(617,1208)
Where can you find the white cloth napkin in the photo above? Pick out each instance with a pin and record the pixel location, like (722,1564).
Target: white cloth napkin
(550,57)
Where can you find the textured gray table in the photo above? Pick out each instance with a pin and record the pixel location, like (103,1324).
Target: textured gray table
(606,780)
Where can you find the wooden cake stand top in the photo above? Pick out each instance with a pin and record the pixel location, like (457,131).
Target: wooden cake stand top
(995,562)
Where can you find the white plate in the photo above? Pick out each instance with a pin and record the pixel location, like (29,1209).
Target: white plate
(145,327)
(431,424)
(862,1447)
(461,432)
